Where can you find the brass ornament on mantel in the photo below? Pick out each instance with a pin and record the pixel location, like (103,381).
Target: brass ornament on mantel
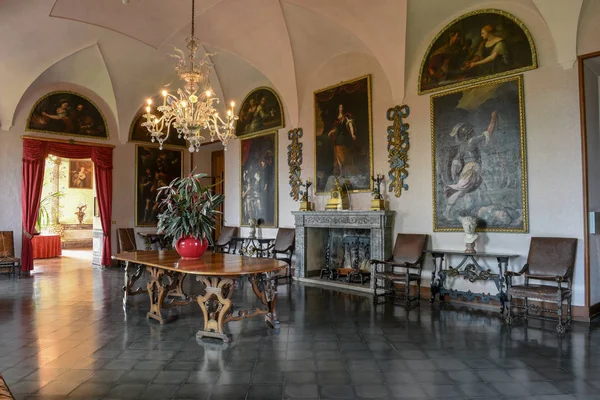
(305,203)
(295,162)
(398,145)
(378,203)
(339,197)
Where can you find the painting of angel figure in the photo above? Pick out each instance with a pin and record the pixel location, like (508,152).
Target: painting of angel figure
(81,174)
(258,186)
(343,136)
(67,113)
(479,157)
(141,134)
(260,111)
(479,45)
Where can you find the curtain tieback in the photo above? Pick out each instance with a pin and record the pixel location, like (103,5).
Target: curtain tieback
(104,234)
(27,234)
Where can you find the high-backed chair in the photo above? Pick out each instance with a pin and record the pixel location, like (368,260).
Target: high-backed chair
(223,243)
(402,268)
(283,248)
(126,240)
(550,260)
(8,262)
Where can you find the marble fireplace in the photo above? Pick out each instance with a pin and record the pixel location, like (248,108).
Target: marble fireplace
(313,233)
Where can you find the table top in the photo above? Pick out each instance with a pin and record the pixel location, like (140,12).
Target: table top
(211,264)
(462,253)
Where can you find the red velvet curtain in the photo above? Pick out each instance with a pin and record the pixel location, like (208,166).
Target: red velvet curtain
(34,157)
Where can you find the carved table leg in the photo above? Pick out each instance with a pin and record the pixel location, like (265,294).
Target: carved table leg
(435,282)
(129,281)
(176,282)
(215,305)
(157,293)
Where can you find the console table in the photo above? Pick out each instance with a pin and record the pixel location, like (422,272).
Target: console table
(470,270)
(247,246)
(163,242)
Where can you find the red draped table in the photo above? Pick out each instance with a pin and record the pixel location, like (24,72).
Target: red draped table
(46,246)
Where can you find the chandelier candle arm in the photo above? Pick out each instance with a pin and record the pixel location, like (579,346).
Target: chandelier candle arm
(189,113)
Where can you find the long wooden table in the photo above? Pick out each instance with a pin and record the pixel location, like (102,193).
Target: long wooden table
(217,271)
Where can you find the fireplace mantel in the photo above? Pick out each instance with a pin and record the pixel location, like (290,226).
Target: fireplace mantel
(312,227)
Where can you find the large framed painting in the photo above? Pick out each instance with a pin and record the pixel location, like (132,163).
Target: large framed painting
(479,157)
(154,168)
(67,113)
(258,179)
(140,134)
(480,45)
(260,111)
(81,174)
(343,136)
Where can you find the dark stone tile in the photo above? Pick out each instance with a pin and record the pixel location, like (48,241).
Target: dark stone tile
(193,391)
(268,377)
(300,377)
(235,378)
(337,391)
(171,377)
(265,392)
(301,391)
(333,377)
(90,389)
(407,391)
(372,391)
(229,392)
(138,376)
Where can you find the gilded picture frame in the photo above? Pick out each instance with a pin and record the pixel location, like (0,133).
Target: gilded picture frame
(260,111)
(339,110)
(457,55)
(67,113)
(479,157)
(140,134)
(259,197)
(154,168)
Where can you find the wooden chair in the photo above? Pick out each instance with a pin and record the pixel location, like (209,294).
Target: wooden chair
(283,248)
(224,242)
(408,258)
(8,262)
(550,260)
(126,240)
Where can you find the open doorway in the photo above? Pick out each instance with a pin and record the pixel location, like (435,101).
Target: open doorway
(589,85)
(67,210)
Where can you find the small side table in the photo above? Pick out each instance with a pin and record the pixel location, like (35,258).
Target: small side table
(472,271)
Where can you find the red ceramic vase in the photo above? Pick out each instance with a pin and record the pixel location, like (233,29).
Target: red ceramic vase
(190,248)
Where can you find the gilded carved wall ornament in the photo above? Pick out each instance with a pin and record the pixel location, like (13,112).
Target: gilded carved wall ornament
(295,162)
(398,145)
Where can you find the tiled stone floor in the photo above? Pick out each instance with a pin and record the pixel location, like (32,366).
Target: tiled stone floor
(64,335)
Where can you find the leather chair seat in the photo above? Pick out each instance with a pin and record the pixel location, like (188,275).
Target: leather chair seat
(542,292)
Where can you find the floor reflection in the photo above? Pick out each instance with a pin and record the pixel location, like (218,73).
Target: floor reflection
(63,335)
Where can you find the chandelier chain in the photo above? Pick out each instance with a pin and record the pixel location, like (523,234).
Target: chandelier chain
(193,15)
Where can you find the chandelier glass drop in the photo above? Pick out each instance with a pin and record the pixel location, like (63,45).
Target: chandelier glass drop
(193,108)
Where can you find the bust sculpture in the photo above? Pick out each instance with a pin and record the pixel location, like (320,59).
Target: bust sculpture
(252,224)
(469,225)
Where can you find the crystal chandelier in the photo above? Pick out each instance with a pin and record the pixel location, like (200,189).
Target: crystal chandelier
(192,109)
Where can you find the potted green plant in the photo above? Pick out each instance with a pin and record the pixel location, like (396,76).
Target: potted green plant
(189,212)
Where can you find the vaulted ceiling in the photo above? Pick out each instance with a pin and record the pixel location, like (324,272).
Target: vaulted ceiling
(119,51)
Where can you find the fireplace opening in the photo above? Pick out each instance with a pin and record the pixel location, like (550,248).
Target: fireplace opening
(347,256)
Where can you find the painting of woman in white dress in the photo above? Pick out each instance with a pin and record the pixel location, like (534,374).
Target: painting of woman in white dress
(476,46)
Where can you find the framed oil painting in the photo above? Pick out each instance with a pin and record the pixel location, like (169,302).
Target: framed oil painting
(67,113)
(343,136)
(140,134)
(258,179)
(480,45)
(81,174)
(260,111)
(154,168)
(479,157)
